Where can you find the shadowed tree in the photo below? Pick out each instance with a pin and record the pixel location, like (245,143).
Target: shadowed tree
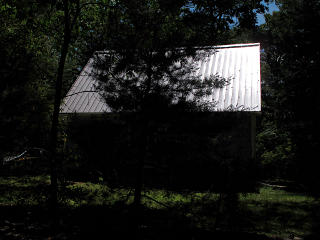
(151,65)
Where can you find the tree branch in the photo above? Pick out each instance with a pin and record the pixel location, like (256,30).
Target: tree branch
(81,92)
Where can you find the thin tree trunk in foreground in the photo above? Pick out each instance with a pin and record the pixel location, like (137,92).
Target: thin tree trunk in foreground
(143,150)
(55,118)
(55,124)
(144,147)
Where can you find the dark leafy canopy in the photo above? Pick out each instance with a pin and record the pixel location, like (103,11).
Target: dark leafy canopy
(180,23)
(25,77)
(292,84)
(212,19)
(31,36)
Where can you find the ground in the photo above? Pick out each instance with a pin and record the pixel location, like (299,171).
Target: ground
(91,210)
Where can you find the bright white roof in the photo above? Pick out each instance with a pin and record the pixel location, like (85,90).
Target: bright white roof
(238,62)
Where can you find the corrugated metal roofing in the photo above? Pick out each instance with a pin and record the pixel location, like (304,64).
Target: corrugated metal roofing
(240,63)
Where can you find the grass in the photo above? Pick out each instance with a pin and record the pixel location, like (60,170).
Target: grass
(27,190)
(272,212)
(280,213)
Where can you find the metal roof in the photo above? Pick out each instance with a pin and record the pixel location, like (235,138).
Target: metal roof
(240,63)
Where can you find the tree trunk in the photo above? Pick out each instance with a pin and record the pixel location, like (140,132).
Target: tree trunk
(142,157)
(53,201)
(55,123)
(143,148)
(145,134)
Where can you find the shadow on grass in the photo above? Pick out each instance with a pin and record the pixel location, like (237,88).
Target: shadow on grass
(281,218)
(102,222)
(23,215)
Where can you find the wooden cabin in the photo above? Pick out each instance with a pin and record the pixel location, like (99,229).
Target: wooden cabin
(194,150)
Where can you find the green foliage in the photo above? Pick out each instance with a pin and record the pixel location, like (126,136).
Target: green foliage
(31,35)
(290,83)
(276,152)
(25,84)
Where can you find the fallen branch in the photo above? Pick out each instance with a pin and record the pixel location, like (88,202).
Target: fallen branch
(160,203)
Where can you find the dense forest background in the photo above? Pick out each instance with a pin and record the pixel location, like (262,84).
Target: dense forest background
(45,44)
(32,36)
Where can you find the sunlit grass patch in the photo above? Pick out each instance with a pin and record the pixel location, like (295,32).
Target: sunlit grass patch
(85,193)
(24,181)
(275,195)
